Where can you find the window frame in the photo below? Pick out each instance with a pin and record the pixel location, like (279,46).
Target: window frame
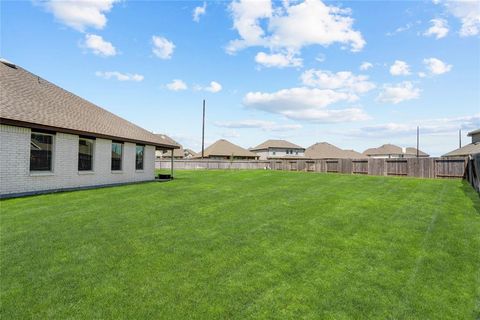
(122,151)
(52,158)
(143,157)
(92,169)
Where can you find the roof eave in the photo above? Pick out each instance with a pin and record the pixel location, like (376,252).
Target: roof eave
(31,125)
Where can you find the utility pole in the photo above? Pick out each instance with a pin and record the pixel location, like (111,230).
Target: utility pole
(460,138)
(418,139)
(203,130)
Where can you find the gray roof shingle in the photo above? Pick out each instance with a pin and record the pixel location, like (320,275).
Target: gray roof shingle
(32,101)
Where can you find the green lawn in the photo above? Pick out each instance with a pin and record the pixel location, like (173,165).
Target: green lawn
(245,245)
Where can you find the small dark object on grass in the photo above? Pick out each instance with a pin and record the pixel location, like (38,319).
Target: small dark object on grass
(165,176)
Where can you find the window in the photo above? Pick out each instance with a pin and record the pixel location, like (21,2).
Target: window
(273,152)
(41,152)
(85,154)
(139,151)
(117,150)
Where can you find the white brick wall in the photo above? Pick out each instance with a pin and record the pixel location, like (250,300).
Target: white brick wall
(15,176)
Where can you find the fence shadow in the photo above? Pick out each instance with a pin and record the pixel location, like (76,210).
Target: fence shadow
(472,195)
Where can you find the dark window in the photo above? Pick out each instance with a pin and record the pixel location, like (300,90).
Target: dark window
(117,150)
(85,154)
(139,152)
(41,152)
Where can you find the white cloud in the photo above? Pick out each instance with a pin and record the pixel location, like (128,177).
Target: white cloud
(422,74)
(321,57)
(439,28)
(436,66)
(162,47)
(400,68)
(177,85)
(400,92)
(469,14)
(306,104)
(120,76)
(428,126)
(99,46)
(257,124)
(246,16)
(365,66)
(80,14)
(278,60)
(292,26)
(229,134)
(328,115)
(199,11)
(407,27)
(214,87)
(343,81)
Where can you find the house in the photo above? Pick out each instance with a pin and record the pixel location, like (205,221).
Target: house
(165,154)
(189,154)
(325,150)
(469,149)
(278,149)
(393,151)
(225,150)
(51,139)
(412,153)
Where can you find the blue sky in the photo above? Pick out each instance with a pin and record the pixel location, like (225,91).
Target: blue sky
(355,74)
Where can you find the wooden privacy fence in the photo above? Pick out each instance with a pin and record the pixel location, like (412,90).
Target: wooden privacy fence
(472,173)
(408,167)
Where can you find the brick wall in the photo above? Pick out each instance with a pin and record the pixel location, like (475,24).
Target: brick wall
(15,175)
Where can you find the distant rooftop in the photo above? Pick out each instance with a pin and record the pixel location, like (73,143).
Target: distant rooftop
(283,144)
(325,150)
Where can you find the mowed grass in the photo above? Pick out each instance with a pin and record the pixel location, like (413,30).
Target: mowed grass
(245,245)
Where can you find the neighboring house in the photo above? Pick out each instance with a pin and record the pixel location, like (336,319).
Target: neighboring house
(469,149)
(167,154)
(278,149)
(393,151)
(412,153)
(225,150)
(325,150)
(51,139)
(189,154)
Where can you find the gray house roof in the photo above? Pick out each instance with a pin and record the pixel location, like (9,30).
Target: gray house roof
(471,133)
(177,153)
(385,149)
(325,150)
(469,149)
(281,144)
(413,152)
(30,101)
(224,148)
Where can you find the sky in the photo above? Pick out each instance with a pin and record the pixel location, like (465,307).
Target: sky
(357,74)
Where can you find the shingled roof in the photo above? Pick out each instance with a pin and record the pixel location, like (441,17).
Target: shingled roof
(177,153)
(283,144)
(385,149)
(413,152)
(225,148)
(471,148)
(30,101)
(325,150)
